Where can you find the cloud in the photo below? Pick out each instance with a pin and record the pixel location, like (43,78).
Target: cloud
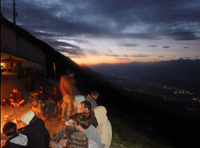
(144,19)
(71,51)
(129,45)
(166,47)
(184,35)
(152,46)
(77,21)
(64,44)
(123,59)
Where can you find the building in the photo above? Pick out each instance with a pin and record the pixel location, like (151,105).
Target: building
(21,51)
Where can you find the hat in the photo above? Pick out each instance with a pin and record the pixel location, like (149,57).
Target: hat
(27,117)
(78,139)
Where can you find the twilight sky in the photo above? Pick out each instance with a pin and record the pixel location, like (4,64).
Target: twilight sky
(113,31)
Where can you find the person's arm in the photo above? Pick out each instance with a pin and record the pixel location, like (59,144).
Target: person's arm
(22,101)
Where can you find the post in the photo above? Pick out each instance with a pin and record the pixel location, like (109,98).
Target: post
(14,13)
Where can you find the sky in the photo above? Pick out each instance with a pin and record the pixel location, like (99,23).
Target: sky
(113,31)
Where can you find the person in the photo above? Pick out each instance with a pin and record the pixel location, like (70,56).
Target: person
(68,91)
(15,139)
(92,98)
(85,107)
(78,100)
(104,126)
(56,99)
(16,98)
(80,140)
(44,100)
(68,129)
(35,130)
(82,124)
(77,139)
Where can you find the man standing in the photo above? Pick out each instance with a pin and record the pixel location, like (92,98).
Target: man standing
(68,91)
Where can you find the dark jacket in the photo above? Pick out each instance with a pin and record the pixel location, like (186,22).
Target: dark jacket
(17,141)
(37,134)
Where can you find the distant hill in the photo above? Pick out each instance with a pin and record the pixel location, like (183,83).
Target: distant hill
(184,74)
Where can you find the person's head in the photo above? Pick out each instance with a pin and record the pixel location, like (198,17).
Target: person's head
(40,89)
(77,140)
(15,90)
(81,122)
(70,73)
(10,129)
(95,94)
(27,117)
(85,107)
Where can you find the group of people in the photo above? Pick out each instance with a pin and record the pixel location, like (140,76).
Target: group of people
(15,98)
(83,123)
(46,105)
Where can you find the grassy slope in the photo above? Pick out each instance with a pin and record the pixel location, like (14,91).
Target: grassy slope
(131,134)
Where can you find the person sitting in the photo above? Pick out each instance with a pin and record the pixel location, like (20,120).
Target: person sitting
(85,107)
(76,140)
(15,139)
(82,124)
(35,130)
(44,100)
(16,98)
(68,129)
(104,126)
(92,98)
(80,140)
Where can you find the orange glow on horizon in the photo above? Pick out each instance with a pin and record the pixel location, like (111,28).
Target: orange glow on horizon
(97,60)
(90,59)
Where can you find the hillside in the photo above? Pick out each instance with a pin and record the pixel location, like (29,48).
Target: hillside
(184,74)
(180,129)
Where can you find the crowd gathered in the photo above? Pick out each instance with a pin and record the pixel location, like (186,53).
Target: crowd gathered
(83,123)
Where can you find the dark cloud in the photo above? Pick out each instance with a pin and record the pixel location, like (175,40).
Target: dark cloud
(184,35)
(108,18)
(139,55)
(161,56)
(113,55)
(142,19)
(166,47)
(64,44)
(129,45)
(152,46)
(71,51)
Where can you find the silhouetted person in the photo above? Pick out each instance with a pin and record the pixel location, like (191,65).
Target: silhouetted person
(15,139)
(68,90)
(92,98)
(36,131)
(16,98)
